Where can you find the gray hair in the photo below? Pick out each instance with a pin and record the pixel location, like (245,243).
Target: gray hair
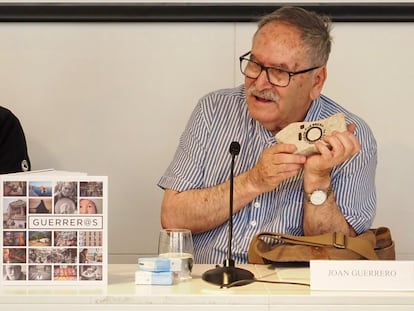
(315,30)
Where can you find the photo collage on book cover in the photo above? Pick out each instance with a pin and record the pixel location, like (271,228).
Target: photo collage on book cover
(58,254)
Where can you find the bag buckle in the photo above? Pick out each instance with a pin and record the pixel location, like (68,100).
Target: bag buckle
(339,240)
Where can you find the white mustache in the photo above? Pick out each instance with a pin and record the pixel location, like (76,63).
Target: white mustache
(265,94)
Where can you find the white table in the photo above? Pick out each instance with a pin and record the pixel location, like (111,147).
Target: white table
(198,295)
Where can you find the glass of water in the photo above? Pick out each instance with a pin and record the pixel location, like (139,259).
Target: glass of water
(177,245)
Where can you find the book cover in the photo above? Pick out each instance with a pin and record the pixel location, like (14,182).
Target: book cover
(55,228)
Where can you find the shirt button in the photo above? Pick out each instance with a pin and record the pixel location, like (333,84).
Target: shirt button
(253,223)
(257,204)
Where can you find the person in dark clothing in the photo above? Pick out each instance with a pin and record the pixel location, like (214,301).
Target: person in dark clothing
(13,148)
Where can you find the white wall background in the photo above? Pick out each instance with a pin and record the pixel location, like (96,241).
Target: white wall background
(112,99)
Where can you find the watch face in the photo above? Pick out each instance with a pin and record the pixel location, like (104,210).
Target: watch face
(318,197)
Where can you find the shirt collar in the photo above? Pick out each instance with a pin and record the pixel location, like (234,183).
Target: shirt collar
(314,112)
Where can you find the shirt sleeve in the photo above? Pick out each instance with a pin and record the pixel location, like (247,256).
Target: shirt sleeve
(354,183)
(187,167)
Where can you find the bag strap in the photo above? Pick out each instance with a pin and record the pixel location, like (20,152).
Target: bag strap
(357,244)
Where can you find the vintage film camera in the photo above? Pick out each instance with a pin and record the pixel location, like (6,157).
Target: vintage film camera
(305,134)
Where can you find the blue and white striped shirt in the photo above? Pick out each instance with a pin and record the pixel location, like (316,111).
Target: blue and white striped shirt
(203,160)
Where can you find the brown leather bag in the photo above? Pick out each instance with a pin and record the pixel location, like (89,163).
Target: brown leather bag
(269,247)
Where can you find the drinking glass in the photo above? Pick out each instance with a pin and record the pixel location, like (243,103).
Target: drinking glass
(177,245)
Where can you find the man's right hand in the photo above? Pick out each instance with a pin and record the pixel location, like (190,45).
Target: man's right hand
(277,163)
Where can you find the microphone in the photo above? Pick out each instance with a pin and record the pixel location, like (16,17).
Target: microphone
(234,150)
(228,274)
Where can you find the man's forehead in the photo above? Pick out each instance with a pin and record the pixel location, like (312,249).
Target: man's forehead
(279,45)
(278,31)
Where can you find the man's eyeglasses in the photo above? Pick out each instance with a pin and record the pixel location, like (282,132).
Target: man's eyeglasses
(275,76)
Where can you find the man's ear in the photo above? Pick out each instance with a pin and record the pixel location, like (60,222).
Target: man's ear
(319,78)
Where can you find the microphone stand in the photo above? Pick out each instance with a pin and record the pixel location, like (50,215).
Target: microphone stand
(228,274)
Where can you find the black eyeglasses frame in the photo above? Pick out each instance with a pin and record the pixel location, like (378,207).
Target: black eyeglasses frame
(266,68)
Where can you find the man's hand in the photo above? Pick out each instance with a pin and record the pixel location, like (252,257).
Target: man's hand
(276,164)
(341,146)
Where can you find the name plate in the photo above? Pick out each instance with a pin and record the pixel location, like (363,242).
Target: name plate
(378,275)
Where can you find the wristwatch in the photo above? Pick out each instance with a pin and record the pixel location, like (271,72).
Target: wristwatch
(319,196)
